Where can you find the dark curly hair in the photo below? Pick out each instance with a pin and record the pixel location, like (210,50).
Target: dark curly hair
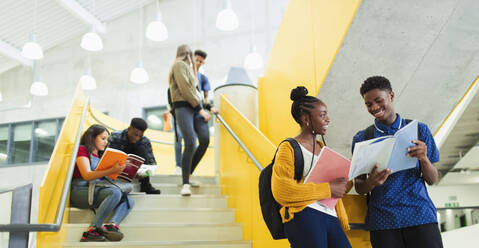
(301,102)
(375,82)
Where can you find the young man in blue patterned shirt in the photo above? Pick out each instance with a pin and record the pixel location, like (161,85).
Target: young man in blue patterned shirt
(400,212)
(131,140)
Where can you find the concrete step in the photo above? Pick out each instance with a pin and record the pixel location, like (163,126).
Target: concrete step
(161,215)
(177,179)
(143,201)
(168,232)
(162,244)
(174,188)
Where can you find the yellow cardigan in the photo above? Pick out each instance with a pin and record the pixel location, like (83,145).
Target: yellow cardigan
(296,195)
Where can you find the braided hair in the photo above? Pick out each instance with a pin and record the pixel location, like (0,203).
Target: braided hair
(301,103)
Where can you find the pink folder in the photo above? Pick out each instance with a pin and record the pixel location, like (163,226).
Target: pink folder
(330,165)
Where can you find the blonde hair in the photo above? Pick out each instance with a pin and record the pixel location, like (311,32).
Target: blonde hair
(184,53)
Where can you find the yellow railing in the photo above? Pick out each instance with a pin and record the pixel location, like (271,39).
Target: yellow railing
(54,179)
(55,175)
(239,176)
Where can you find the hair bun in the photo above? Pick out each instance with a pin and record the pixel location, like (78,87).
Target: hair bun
(298,93)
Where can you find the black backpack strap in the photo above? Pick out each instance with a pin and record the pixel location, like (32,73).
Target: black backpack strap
(298,159)
(369,133)
(418,133)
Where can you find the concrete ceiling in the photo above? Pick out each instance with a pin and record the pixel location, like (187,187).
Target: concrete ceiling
(427,49)
(56,22)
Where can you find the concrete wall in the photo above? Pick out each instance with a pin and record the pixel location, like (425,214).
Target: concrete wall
(190,22)
(466,195)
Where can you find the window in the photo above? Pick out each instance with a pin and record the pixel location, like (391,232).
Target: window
(28,142)
(45,133)
(4,131)
(154,117)
(22,134)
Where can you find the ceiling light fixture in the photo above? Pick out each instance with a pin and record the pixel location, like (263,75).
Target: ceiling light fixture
(226,20)
(32,50)
(156,30)
(38,87)
(91,41)
(87,81)
(253,60)
(139,75)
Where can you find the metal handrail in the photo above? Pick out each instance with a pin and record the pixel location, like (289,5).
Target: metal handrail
(152,140)
(55,227)
(245,149)
(353,226)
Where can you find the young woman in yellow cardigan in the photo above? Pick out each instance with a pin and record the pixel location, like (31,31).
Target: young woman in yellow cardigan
(308,223)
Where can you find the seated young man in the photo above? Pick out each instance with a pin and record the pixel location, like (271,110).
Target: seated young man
(400,212)
(131,140)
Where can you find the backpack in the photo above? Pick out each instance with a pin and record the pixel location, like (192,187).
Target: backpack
(269,206)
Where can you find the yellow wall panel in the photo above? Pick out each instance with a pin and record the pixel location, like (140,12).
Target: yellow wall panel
(308,39)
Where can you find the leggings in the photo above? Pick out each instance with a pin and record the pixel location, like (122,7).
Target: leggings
(192,125)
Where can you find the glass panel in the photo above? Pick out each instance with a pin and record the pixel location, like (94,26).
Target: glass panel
(22,134)
(60,125)
(154,118)
(45,132)
(3,144)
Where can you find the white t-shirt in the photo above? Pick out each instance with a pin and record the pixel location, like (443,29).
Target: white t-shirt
(307,164)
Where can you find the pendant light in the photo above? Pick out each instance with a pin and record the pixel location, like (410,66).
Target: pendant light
(38,87)
(156,30)
(226,20)
(139,75)
(32,50)
(253,60)
(91,41)
(87,81)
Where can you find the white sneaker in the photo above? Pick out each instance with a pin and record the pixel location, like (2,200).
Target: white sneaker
(177,170)
(194,183)
(185,191)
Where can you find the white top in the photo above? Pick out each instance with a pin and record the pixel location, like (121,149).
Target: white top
(307,164)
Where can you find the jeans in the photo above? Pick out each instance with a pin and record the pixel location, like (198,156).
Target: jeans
(311,228)
(192,125)
(106,200)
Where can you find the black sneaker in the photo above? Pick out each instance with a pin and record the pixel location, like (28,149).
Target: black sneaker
(145,186)
(112,232)
(93,234)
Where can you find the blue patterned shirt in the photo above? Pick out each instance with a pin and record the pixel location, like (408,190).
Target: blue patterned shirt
(402,200)
(119,140)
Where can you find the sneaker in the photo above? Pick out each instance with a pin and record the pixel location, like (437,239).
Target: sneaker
(177,170)
(185,191)
(194,183)
(94,234)
(112,232)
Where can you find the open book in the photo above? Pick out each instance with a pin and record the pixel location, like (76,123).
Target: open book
(111,156)
(386,151)
(330,165)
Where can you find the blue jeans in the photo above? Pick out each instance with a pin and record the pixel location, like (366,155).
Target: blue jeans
(311,228)
(192,125)
(106,200)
